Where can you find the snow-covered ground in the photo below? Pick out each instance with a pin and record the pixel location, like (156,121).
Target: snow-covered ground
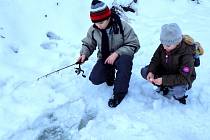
(67,106)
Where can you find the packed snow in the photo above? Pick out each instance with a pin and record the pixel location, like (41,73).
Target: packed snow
(38,37)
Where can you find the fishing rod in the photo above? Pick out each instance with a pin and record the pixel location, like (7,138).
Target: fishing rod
(77,71)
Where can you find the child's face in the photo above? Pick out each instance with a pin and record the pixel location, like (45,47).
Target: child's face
(169,48)
(102,24)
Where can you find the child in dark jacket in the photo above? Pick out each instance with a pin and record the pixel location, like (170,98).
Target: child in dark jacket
(172,65)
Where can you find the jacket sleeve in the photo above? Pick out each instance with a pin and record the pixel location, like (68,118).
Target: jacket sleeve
(131,43)
(88,43)
(183,77)
(155,61)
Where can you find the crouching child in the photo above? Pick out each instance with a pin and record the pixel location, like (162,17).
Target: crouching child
(117,43)
(172,67)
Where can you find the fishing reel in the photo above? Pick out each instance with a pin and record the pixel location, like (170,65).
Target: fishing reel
(79,71)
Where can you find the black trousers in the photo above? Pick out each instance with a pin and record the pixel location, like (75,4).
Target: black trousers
(123,65)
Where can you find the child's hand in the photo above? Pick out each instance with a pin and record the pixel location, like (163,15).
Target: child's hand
(81,59)
(158,81)
(111,59)
(150,77)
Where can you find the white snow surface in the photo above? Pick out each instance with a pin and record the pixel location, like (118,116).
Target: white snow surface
(67,106)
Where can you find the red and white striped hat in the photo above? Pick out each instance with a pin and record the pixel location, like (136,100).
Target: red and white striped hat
(99,11)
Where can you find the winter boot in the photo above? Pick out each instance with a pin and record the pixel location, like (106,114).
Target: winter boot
(110,76)
(165,90)
(116,99)
(181,100)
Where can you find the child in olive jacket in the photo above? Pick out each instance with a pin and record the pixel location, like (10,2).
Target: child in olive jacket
(172,65)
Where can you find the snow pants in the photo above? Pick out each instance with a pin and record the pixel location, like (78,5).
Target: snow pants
(123,65)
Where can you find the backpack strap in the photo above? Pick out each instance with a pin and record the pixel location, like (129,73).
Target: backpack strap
(196,48)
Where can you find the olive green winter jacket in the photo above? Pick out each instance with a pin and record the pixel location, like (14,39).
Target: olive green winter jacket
(175,67)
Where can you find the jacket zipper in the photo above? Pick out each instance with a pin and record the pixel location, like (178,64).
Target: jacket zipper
(166,58)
